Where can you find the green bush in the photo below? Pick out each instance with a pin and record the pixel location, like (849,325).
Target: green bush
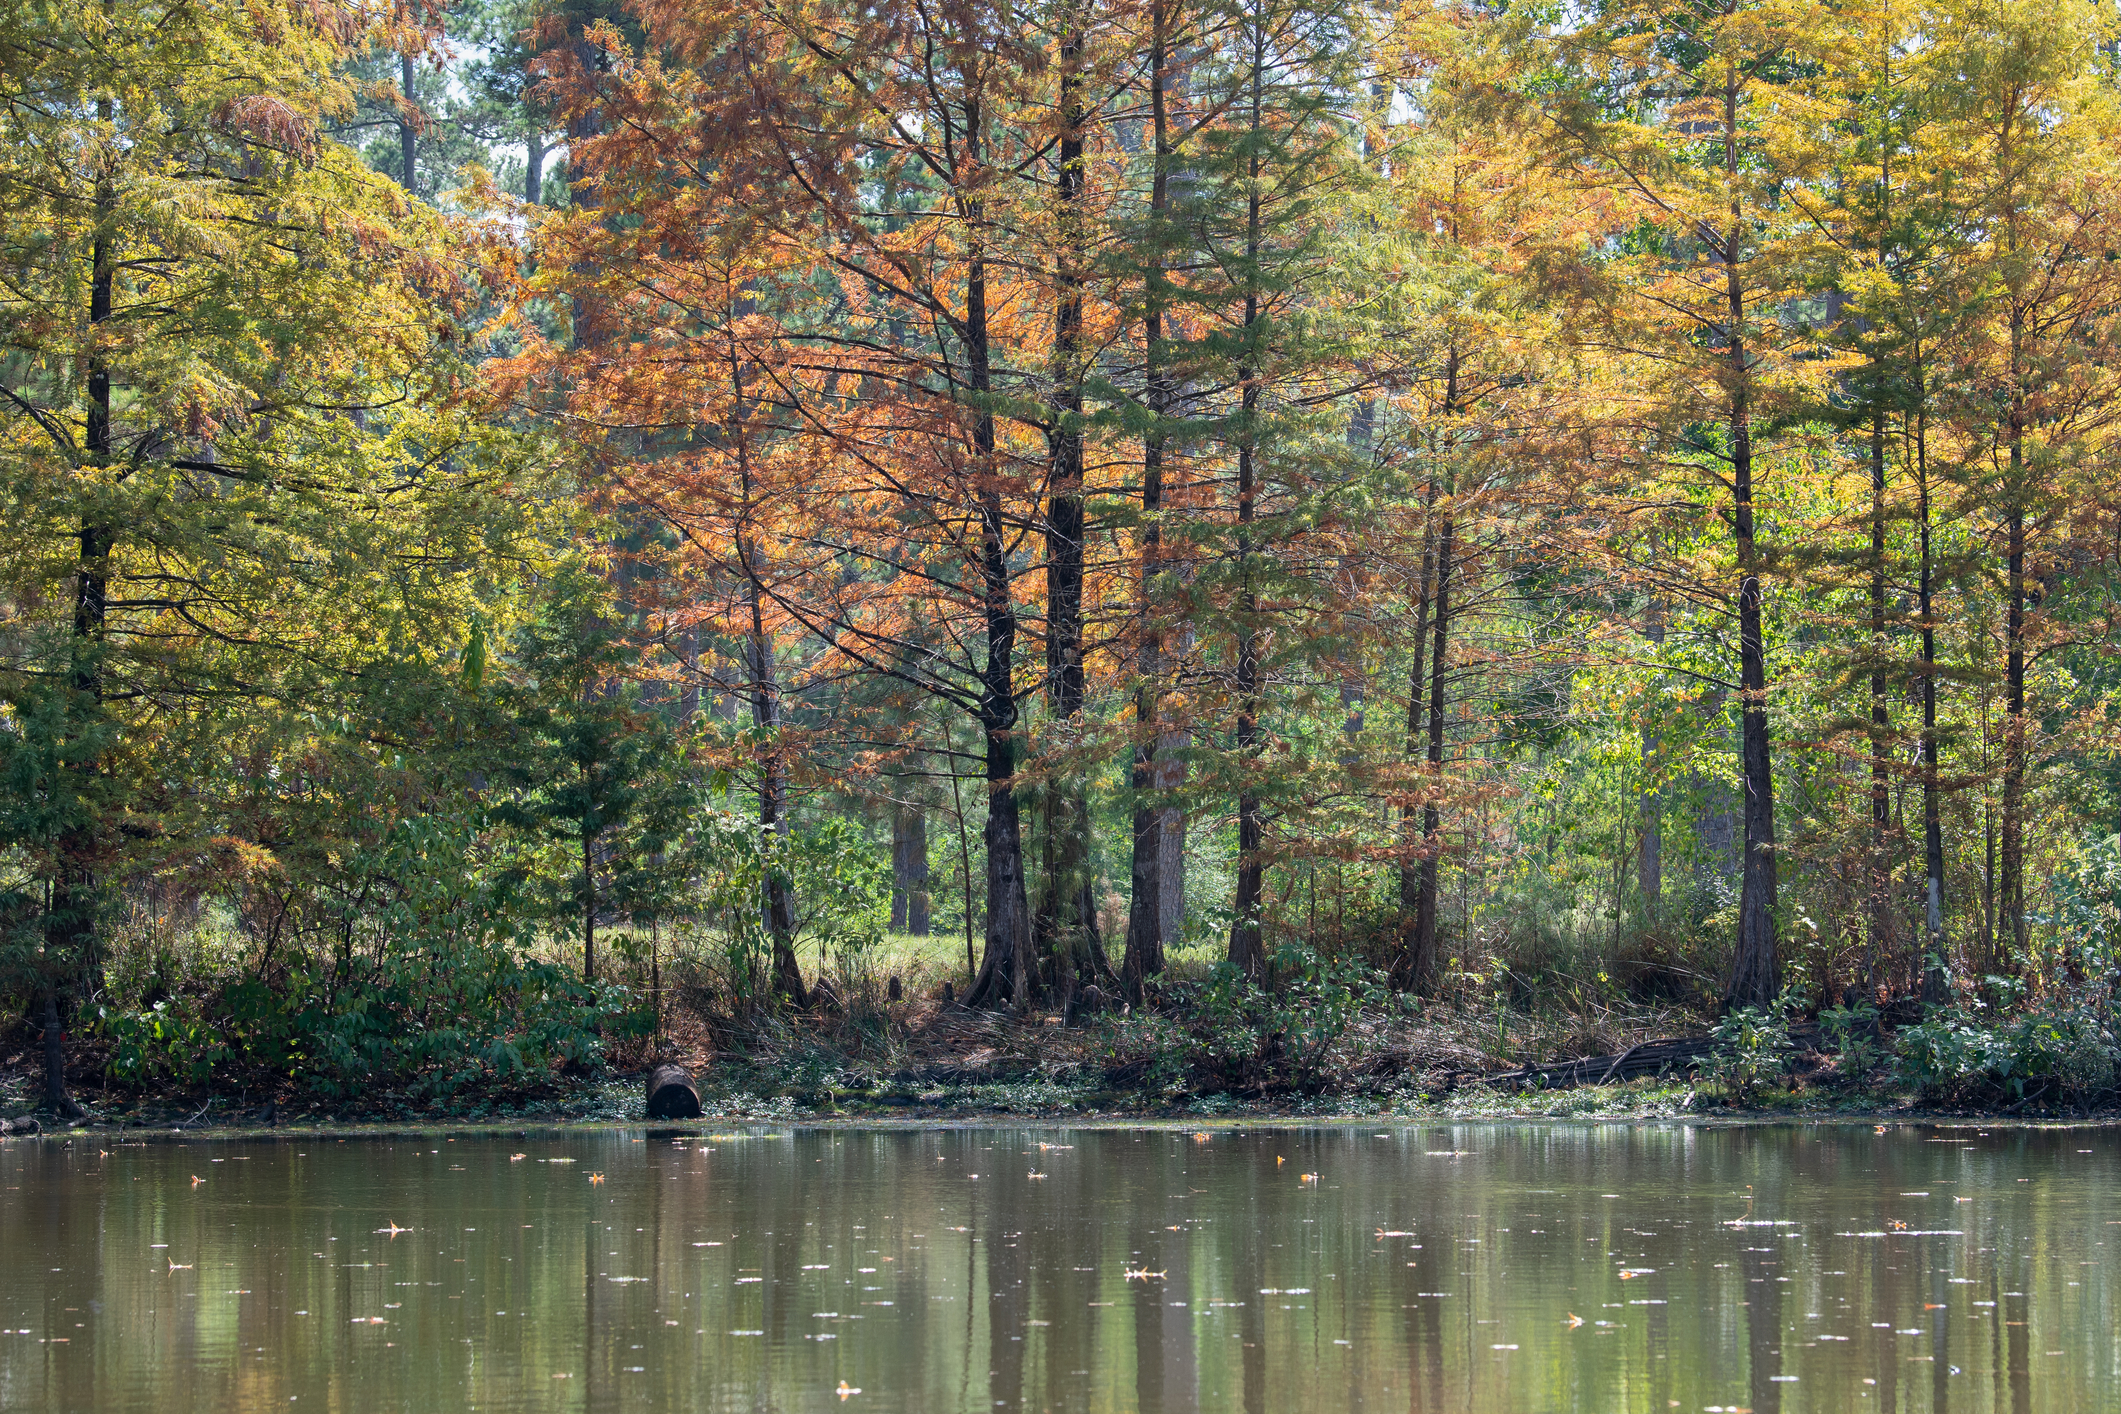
(1753,1048)
(1852,1031)
(2060,1051)
(447,996)
(841,891)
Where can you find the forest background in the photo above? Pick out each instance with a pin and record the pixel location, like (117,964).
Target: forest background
(531,527)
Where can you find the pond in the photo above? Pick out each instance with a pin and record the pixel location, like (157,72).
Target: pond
(1483,1267)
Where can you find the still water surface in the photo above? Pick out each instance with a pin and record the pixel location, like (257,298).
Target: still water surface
(1463,1267)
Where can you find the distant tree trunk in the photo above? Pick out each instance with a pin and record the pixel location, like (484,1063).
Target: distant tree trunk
(1247,945)
(1419,955)
(1403,965)
(2010,901)
(1935,982)
(1422,959)
(2011,889)
(1144,956)
(1883,939)
(909,870)
(534,166)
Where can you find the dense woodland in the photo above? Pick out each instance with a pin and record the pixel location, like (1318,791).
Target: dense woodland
(1496,505)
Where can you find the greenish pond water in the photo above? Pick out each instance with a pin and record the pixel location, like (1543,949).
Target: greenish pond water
(1479,1267)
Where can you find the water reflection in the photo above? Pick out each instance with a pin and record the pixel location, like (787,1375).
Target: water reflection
(1462,1267)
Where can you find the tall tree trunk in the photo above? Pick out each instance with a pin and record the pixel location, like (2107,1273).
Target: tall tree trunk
(1144,956)
(73,960)
(1883,940)
(909,869)
(1070,897)
(1421,959)
(534,165)
(1935,980)
(1403,970)
(2010,900)
(1756,974)
(765,692)
(1006,972)
(2011,883)
(1247,945)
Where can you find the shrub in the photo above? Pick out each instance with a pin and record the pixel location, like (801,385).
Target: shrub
(447,996)
(1753,1047)
(2062,1050)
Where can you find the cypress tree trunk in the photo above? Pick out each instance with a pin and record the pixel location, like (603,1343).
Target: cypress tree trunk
(1756,976)
(765,693)
(1077,954)
(1144,956)
(1247,946)
(1649,858)
(1883,941)
(1935,982)
(72,941)
(1403,965)
(909,870)
(1006,972)
(534,166)
(1418,960)
(1421,960)
(2011,883)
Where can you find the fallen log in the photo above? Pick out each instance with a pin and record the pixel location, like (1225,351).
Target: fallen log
(1682,1053)
(672,1095)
